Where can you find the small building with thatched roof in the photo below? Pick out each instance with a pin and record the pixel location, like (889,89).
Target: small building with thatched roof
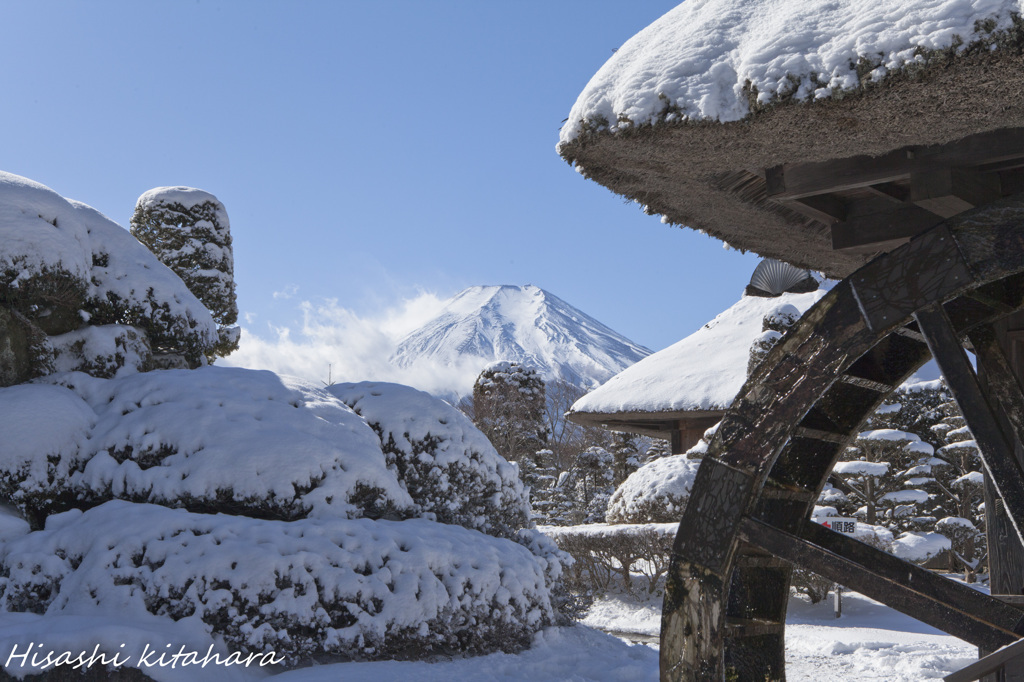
(679,392)
(815,132)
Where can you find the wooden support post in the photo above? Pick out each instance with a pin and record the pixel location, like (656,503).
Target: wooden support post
(996,449)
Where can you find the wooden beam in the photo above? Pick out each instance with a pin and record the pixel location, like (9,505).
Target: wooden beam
(1003,386)
(989,664)
(889,191)
(949,191)
(945,604)
(825,208)
(996,450)
(793,181)
(875,231)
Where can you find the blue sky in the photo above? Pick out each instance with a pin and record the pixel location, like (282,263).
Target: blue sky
(367,152)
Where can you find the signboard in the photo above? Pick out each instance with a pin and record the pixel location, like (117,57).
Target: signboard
(841,525)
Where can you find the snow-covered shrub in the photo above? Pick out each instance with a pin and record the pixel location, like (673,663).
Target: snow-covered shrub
(760,347)
(654,493)
(601,551)
(446,464)
(25,350)
(919,547)
(64,264)
(102,351)
(964,537)
(306,589)
(780,318)
(211,439)
(188,231)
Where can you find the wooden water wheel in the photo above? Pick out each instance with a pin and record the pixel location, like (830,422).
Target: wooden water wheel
(911,190)
(747,525)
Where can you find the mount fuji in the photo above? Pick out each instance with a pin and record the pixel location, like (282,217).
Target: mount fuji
(524,324)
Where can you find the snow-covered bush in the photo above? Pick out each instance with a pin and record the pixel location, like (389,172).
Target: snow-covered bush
(188,231)
(64,265)
(307,589)
(601,551)
(654,493)
(919,546)
(102,351)
(211,439)
(446,464)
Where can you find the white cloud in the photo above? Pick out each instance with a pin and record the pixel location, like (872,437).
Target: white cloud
(352,348)
(288,292)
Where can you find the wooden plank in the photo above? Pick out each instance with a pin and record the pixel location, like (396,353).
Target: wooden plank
(893,286)
(996,450)
(889,191)
(917,592)
(794,181)
(818,434)
(989,664)
(1004,390)
(825,208)
(949,191)
(876,386)
(1005,551)
(877,229)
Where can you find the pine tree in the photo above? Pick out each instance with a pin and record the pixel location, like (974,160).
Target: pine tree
(188,231)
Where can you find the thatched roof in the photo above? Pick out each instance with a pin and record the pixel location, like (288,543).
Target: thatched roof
(692,380)
(823,183)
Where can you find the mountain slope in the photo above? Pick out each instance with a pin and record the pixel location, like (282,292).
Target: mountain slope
(524,324)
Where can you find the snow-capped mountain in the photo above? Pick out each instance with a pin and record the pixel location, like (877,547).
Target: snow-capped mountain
(524,324)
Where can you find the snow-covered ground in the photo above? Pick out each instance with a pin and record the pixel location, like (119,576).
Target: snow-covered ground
(869,642)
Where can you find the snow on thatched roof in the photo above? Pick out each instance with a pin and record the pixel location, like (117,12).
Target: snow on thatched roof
(701,373)
(711,59)
(688,116)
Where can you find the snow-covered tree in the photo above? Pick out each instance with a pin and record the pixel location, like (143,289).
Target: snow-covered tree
(871,475)
(508,406)
(188,230)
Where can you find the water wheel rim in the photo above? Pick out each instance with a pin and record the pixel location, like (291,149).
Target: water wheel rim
(753,466)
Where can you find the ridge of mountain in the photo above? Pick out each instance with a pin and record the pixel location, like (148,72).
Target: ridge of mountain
(524,324)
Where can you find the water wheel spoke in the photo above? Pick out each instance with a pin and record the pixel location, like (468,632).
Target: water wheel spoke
(1003,387)
(937,601)
(997,451)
